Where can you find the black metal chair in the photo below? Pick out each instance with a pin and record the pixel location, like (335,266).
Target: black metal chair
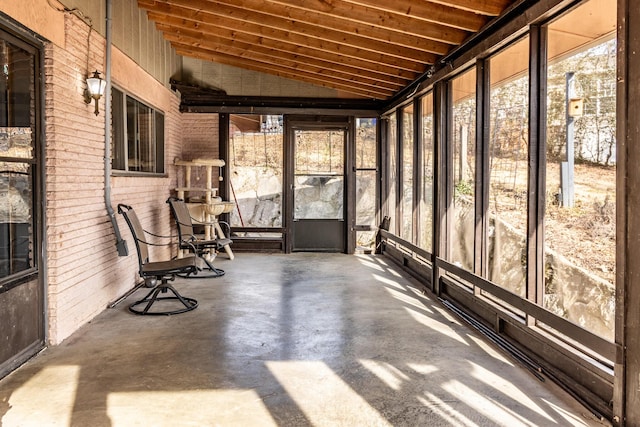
(158,273)
(190,241)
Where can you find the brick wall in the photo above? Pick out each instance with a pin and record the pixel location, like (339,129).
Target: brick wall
(84,271)
(200,138)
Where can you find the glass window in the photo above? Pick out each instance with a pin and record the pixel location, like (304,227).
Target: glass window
(17,162)
(426,207)
(118,152)
(138,135)
(366,172)
(255,169)
(407,173)
(462,135)
(508,166)
(392,143)
(580,218)
(319,174)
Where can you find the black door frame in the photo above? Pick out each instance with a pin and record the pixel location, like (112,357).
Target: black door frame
(296,122)
(29,286)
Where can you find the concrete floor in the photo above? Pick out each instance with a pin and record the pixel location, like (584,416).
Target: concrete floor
(286,340)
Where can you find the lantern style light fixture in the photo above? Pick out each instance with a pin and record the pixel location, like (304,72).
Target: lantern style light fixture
(95,89)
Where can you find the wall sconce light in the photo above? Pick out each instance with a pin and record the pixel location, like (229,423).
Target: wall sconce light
(95,89)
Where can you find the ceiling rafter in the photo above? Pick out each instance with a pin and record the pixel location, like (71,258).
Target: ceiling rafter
(194,19)
(270,56)
(278,71)
(349,66)
(486,7)
(353,39)
(368,22)
(371,65)
(361,48)
(385,20)
(435,12)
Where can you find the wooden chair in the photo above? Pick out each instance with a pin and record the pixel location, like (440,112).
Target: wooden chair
(158,273)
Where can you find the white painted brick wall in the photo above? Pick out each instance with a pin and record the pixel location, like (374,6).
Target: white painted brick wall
(84,271)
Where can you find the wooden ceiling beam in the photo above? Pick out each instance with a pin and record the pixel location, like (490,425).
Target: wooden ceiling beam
(287,51)
(484,7)
(211,7)
(238,49)
(429,12)
(367,68)
(278,71)
(389,23)
(193,19)
(366,48)
(400,30)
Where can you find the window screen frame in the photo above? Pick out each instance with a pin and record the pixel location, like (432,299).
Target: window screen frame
(120,159)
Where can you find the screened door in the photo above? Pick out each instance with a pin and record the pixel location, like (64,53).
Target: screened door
(21,293)
(319,190)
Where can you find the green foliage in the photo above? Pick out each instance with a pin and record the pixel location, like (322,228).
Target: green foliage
(464,188)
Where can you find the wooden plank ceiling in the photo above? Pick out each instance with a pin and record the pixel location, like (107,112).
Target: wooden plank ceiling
(362,48)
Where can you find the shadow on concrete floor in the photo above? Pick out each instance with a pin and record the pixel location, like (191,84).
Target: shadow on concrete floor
(286,340)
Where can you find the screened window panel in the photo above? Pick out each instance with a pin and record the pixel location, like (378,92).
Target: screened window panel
(581,158)
(426,202)
(256,158)
(392,141)
(408,143)
(508,166)
(463,140)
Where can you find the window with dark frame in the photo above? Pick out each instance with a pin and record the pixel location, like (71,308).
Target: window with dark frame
(462,137)
(138,135)
(17,158)
(579,221)
(366,171)
(408,144)
(392,174)
(255,172)
(490,174)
